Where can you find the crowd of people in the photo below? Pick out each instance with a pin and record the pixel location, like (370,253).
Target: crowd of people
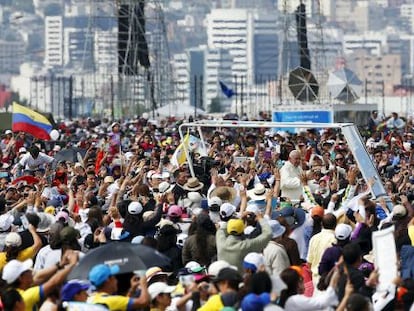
(270,220)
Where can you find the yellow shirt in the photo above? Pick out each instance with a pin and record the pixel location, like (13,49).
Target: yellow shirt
(24,254)
(317,246)
(31,296)
(214,303)
(112,302)
(411,234)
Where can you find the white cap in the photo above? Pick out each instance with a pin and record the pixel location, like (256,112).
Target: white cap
(14,268)
(22,150)
(195,197)
(216,267)
(13,239)
(343,231)
(215,201)
(8,132)
(399,210)
(252,208)
(159,288)
(134,208)
(165,187)
(227,209)
(255,259)
(57,148)
(192,265)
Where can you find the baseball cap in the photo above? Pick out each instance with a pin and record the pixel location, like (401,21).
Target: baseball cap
(227,210)
(175,211)
(317,211)
(399,210)
(22,150)
(134,208)
(68,235)
(343,231)
(215,201)
(235,226)
(8,132)
(253,261)
(63,215)
(100,273)
(253,302)
(194,266)
(72,288)
(216,267)
(159,288)
(108,180)
(228,274)
(194,197)
(13,239)
(165,187)
(253,208)
(14,268)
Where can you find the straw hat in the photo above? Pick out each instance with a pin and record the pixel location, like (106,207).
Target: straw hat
(226,194)
(193,184)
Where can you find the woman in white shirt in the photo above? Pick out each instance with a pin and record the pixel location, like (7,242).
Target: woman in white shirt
(292,297)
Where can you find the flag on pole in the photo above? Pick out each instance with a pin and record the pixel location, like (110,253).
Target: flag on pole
(29,121)
(179,156)
(226,90)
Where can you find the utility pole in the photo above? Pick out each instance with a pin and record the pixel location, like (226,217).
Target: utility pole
(195,97)
(241,96)
(70,97)
(201,93)
(112,98)
(237,92)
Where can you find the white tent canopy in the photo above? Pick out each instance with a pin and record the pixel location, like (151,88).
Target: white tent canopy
(177,110)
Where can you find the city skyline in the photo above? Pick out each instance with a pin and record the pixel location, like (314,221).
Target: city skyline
(251,47)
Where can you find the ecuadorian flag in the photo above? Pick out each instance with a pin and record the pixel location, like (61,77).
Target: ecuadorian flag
(29,121)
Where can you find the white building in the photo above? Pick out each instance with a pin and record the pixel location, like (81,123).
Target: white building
(199,70)
(407,11)
(11,55)
(250,36)
(373,42)
(53,41)
(181,78)
(218,67)
(106,51)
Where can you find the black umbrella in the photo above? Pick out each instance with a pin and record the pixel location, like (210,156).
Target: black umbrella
(128,256)
(70,155)
(303,85)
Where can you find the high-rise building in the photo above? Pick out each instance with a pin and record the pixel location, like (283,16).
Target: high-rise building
(53,41)
(105,51)
(197,74)
(11,55)
(372,42)
(407,12)
(381,73)
(252,38)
